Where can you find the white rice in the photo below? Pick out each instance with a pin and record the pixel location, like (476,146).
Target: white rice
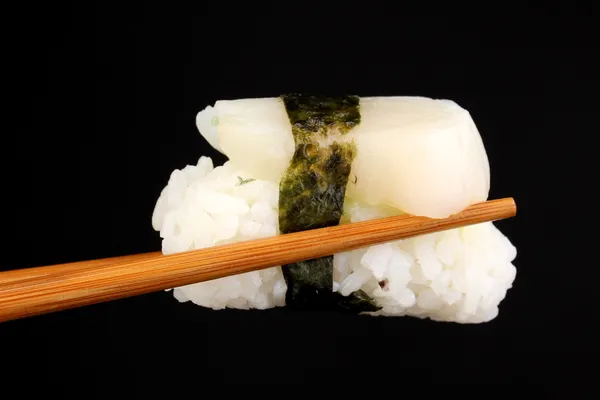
(460,275)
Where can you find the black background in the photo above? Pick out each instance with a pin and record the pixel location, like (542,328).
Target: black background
(106,101)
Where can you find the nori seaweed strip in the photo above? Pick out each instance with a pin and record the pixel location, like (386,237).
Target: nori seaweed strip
(311,195)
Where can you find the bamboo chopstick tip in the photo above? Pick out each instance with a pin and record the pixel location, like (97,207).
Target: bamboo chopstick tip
(513,204)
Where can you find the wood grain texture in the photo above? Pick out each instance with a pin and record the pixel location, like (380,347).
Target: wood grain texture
(40,290)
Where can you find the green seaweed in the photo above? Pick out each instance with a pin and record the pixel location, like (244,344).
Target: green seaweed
(311,114)
(311,195)
(313,187)
(242,181)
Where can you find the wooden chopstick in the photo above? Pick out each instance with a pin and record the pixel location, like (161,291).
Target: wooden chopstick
(33,291)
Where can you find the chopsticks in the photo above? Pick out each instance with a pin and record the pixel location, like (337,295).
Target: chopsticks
(34,291)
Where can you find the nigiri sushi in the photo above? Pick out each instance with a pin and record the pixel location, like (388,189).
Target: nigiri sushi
(298,162)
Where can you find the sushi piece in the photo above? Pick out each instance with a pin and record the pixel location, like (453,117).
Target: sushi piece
(302,162)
